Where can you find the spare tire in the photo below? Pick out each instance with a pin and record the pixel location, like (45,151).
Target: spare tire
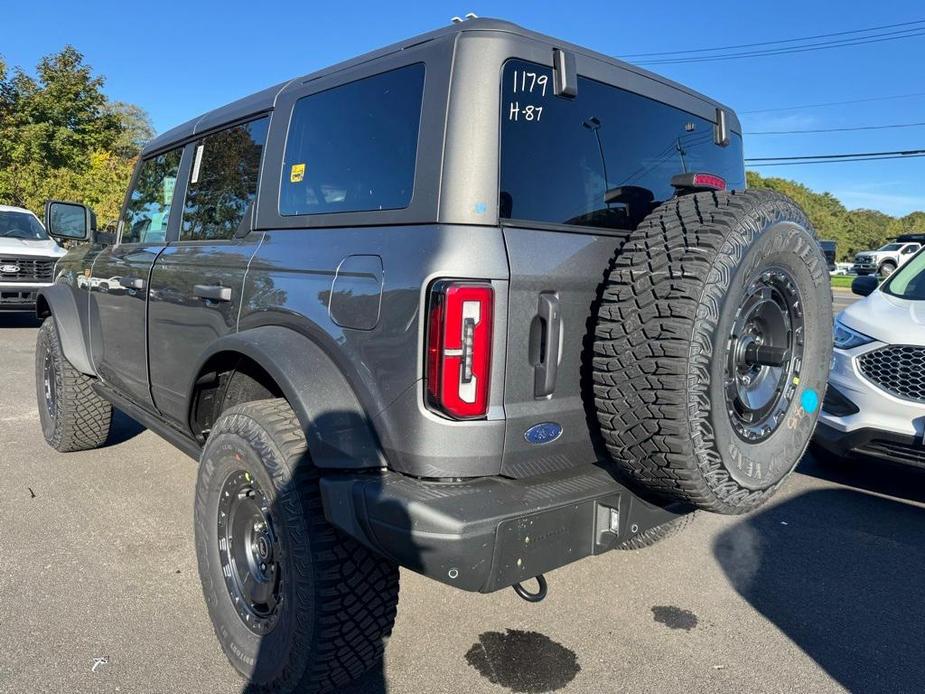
(712,345)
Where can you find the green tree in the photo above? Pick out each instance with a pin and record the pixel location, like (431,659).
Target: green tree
(136,128)
(60,137)
(853,230)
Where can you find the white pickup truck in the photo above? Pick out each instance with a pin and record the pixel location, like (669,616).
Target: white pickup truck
(27,258)
(885,259)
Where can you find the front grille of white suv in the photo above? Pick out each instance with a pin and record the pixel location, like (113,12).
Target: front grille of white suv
(897,369)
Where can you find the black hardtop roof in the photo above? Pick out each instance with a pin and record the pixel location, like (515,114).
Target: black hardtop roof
(265,99)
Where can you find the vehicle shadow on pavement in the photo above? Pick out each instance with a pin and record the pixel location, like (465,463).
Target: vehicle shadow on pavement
(870,474)
(839,571)
(19,319)
(122,429)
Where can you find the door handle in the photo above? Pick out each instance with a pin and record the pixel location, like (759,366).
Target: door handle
(212,291)
(544,344)
(132,282)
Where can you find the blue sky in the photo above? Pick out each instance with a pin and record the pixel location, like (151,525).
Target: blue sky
(179,59)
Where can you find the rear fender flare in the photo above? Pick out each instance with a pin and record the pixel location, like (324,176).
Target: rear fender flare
(59,302)
(337,428)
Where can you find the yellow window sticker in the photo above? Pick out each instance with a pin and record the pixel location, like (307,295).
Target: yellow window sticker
(297,173)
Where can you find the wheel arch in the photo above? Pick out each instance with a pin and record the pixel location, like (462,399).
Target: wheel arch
(59,302)
(273,361)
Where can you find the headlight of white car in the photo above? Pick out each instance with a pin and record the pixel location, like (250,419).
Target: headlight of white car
(846,338)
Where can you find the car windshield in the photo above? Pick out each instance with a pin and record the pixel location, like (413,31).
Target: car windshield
(909,281)
(21,225)
(891,247)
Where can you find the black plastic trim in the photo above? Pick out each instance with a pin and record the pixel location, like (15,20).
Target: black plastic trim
(63,307)
(886,445)
(151,421)
(489,533)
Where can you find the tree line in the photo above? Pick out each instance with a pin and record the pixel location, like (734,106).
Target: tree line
(62,137)
(853,230)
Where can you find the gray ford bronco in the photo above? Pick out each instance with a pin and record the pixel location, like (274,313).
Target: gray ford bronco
(479,304)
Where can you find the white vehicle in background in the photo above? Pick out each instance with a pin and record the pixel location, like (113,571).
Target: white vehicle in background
(885,260)
(875,402)
(27,258)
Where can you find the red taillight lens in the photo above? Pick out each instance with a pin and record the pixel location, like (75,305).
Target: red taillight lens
(696,182)
(459,348)
(705,180)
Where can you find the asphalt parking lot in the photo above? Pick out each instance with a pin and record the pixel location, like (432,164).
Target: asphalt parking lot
(819,591)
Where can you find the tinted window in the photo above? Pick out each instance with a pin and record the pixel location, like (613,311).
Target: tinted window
(21,225)
(147,214)
(559,156)
(223,181)
(353,148)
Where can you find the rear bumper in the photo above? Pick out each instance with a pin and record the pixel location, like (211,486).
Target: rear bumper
(492,532)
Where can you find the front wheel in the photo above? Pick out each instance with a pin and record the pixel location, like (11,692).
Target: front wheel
(73,416)
(296,605)
(887,269)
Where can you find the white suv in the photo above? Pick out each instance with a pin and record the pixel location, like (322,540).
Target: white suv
(875,402)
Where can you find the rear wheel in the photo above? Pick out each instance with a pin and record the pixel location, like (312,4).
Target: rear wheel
(712,347)
(296,605)
(73,416)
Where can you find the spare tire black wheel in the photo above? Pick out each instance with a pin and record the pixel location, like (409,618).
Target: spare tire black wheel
(712,346)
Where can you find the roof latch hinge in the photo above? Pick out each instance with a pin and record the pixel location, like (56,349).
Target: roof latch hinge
(565,74)
(721,129)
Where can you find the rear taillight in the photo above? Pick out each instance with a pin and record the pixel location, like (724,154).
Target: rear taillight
(459,348)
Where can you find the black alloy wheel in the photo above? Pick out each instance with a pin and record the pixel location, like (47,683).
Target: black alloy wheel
(763,355)
(248,552)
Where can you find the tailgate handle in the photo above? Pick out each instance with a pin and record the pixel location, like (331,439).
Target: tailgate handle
(212,292)
(544,345)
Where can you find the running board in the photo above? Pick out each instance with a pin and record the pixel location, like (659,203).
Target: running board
(150,421)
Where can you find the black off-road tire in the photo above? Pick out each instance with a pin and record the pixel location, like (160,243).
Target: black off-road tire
(338,600)
(662,340)
(73,416)
(658,533)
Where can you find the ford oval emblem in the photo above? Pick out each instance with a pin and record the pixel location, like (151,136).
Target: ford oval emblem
(547,432)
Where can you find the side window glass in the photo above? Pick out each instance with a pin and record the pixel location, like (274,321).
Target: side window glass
(147,213)
(223,181)
(353,148)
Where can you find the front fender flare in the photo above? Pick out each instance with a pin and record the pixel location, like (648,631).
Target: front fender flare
(336,426)
(59,301)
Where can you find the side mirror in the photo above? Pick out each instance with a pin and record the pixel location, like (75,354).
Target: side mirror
(864,285)
(69,221)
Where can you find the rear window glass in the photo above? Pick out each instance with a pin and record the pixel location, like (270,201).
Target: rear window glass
(353,148)
(604,158)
